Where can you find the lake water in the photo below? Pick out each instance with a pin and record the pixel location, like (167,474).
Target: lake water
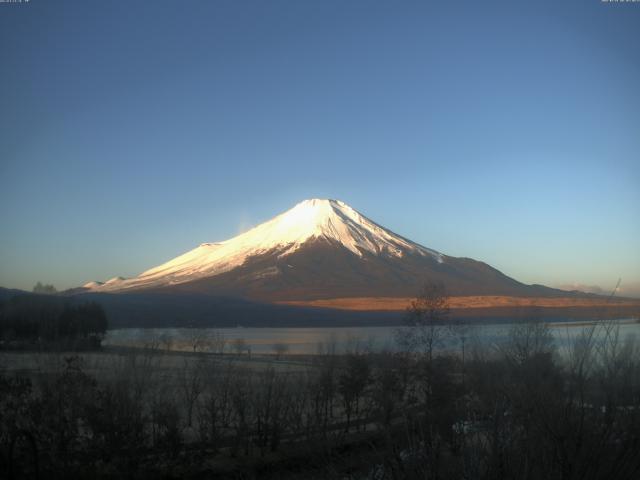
(314,340)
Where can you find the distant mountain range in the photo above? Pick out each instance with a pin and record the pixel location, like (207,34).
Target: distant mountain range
(319,249)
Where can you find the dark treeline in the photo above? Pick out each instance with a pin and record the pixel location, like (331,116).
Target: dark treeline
(48,321)
(45,289)
(518,410)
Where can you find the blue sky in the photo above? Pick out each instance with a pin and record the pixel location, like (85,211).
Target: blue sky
(508,132)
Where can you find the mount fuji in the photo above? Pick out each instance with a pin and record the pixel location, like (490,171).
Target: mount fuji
(319,249)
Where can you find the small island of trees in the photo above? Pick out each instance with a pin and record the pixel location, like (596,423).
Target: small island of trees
(45,321)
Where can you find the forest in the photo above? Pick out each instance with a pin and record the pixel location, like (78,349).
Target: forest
(48,322)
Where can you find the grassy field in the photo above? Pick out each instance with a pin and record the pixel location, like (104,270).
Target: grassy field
(464,302)
(111,361)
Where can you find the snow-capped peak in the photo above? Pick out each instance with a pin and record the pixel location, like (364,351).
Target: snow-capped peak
(319,219)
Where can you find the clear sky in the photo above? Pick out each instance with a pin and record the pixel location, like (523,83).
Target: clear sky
(132,131)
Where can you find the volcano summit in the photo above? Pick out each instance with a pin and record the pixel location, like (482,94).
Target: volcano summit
(319,249)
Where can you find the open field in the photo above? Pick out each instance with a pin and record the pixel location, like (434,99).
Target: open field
(111,361)
(463,302)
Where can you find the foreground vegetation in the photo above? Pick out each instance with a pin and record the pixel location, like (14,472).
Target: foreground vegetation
(520,409)
(517,410)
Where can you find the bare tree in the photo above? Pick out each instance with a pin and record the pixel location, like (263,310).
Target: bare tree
(270,405)
(526,340)
(352,383)
(216,412)
(280,349)
(197,339)
(461,332)
(425,318)
(167,341)
(387,394)
(240,346)
(218,343)
(241,389)
(192,384)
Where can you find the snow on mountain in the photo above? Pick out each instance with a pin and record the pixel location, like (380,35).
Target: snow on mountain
(115,281)
(309,220)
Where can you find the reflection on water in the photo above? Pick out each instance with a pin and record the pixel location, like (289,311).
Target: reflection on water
(312,340)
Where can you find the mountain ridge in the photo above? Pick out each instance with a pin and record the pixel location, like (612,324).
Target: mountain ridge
(319,249)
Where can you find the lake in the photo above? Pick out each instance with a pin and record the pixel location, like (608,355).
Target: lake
(314,340)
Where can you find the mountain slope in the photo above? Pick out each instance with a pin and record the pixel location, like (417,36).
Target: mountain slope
(319,249)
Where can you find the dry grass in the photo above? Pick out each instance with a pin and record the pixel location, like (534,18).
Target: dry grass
(399,304)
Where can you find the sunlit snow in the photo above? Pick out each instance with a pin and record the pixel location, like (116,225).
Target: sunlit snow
(311,219)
